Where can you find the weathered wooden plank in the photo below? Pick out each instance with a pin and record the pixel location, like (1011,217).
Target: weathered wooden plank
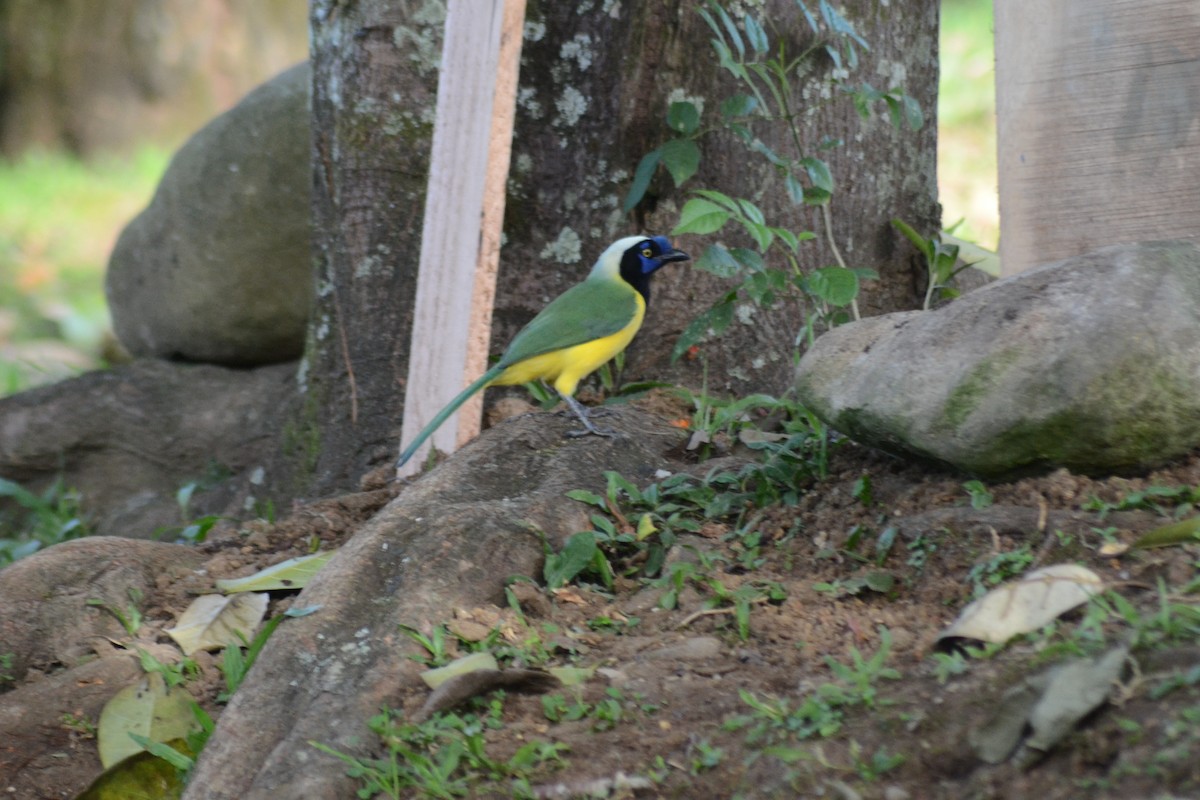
(1098,125)
(464,209)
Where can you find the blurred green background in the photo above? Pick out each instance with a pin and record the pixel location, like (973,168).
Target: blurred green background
(60,215)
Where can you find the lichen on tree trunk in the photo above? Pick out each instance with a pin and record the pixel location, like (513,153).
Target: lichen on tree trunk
(594,91)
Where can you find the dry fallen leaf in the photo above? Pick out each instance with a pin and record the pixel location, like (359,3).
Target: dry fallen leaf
(148,708)
(1025,604)
(568,596)
(1050,704)
(214,621)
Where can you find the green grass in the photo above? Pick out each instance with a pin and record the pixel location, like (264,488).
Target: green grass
(59,218)
(967,121)
(29,521)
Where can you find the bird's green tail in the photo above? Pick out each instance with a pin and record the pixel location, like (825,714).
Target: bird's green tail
(450,408)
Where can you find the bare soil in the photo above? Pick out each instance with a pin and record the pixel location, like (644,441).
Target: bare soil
(679,674)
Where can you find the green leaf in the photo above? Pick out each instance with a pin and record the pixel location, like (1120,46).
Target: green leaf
(742,132)
(945,262)
(816,197)
(761,233)
(852,54)
(882,582)
(236,665)
(749,259)
(601,567)
(863,98)
(294,573)
(839,24)
(834,285)
(683,117)
(700,216)
(1185,532)
(682,159)
(22,495)
(760,147)
(721,199)
(719,261)
(818,173)
(755,34)
(925,246)
(164,751)
(835,55)
(641,179)
(793,240)
(711,23)
(762,287)
(184,496)
(795,189)
(812,22)
(575,557)
(884,544)
(738,105)
(619,483)
(751,212)
(147,708)
(913,114)
(584,496)
(716,319)
(732,30)
(724,55)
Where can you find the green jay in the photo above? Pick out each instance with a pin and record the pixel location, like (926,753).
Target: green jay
(577,332)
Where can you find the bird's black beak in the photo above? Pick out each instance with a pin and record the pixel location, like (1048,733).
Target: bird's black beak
(674,255)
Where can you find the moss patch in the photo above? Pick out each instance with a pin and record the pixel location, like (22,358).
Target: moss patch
(1161,422)
(978,384)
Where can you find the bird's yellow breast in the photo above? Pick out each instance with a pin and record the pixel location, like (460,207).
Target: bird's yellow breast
(567,367)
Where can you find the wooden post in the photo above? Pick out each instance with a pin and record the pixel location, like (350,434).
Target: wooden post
(464,211)
(1098,125)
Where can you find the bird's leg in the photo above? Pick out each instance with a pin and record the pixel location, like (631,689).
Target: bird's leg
(582,413)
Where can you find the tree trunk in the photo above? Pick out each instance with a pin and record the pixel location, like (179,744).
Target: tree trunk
(570,176)
(595,89)
(374,87)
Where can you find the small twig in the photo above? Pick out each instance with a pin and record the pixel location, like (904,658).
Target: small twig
(1049,538)
(710,612)
(704,612)
(997,547)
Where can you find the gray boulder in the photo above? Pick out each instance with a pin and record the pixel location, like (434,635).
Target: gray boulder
(217,268)
(1092,363)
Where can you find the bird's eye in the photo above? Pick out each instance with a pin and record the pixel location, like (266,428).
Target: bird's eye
(647,252)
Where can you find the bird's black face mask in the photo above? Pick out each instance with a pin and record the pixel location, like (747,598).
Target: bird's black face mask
(641,261)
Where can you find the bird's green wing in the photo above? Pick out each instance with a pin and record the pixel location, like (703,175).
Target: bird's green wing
(587,311)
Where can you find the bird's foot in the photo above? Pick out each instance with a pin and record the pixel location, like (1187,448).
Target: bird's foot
(589,412)
(591,430)
(585,416)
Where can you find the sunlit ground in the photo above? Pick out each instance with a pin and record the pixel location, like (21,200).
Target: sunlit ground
(59,216)
(967,122)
